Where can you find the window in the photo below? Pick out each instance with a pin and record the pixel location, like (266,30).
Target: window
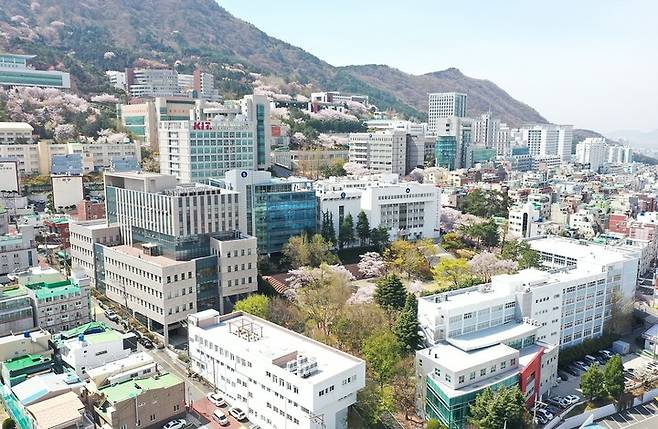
(472,376)
(461,379)
(483,372)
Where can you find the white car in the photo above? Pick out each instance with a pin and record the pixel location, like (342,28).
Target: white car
(544,415)
(572,399)
(238,413)
(220,417)
(216,400)
(175,424)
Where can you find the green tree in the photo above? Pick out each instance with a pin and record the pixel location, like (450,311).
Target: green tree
(486,204)
(592,383)
(452,273)
(346,231)
(302,251)
(362,228)
(381,352)
(409,257)
(452,241)
(613,374)
(503,408)
(327,229)
(521,252)
(390,293)
(484,233)
(407,328)
(379,238)
(434,424)
(9,424)
(256,304)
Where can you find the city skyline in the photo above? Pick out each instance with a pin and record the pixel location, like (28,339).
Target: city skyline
(492,45)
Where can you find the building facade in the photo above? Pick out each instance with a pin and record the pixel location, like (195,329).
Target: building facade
(14,71)
(380,152)
(443,105)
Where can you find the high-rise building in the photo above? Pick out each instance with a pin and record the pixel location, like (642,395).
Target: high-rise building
(485,130)
(14,71)
(459,130)
(142,83)
(272,209)
(592,151)
(170,250)
(302,382)
(381,151)
(236,135)
(444,105)
(548,140)
(564,142)
(619,154)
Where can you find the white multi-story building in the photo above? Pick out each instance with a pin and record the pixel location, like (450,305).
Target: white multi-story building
(406,209)
(18,251)
(592,151)
(545,140)
(381,152)
(214,142)
(619,264)
(564,142)
(84,236)
(96,156)
(279,378)
(619,154)
(141,83)
(15,71)
(486,130)
(444,105)
(15,132)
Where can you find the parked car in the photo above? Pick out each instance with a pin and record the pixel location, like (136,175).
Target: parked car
(220,417)
(572,399)
(571,369)
(581,365)
(238,413)
(146,343)
(175,424)
(591,360)
(546,415)
(554,401)
(216,399)
(563,375)
(607,353)
(111,315)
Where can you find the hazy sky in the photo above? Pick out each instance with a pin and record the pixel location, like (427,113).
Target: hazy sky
(592,63)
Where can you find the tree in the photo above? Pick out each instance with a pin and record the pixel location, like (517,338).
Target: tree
(381,352)
(407,328)
(256,304)
(379,238)
(520,252)
(301,251)
(451,272)
(486,264)
(503,408)
(9,424)
(434,424)
(346,231)
(621,314)
(374,402)
(484,233)
(486,204)
(592,383)
(362,228)
(452,241)
(371,264)
(327,229)
(409,257)
(613,374)
(404,386)
(390,293)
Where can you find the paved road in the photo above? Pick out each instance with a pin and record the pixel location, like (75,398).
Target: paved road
(640,417)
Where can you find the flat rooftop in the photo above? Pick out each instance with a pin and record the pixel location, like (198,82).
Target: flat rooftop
(492,336)
(35,388)
(26,361)
(579,249)
(15,126)
(97,338)
(458,360)
(62,410)
(274,344)
(132,388)
(160,261)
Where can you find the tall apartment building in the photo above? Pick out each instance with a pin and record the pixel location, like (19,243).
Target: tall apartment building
(619,154)
(216,140)
(179,248)
(443,105)
(272,209)
(592,151)
(548,140)
(277,377)
(407,209)
(14,71)
(485,130)
(380,152)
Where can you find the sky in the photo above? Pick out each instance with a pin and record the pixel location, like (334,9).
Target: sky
(591,63)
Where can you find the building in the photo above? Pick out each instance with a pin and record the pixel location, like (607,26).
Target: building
(25,342)
(9,178)
(272,209)
(217,139)
(86,157)
(336,97)
(63,411)
(380,152)
(14,71)
(136,365)
(485,131)
(446,152)
(16,312)
(619,154)
(453,142)
(593,152)
(18,251)
(16,370)
(621,265)
(90,209)
(170,249)
(143,83)
(59,303)
(443,105)
(15,133)
(406,209)
(16,144)
(301,382)
(141,402)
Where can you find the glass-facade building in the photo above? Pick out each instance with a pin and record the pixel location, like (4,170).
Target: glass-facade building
(445,151)
(14,71)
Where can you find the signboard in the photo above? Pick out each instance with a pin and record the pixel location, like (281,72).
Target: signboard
(202,125)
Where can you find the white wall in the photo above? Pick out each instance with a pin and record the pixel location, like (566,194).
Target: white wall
(67,190)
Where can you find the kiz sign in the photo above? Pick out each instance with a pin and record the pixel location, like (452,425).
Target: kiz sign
(202,125)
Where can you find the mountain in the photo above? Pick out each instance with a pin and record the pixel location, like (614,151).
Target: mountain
(637,138)
(87,37)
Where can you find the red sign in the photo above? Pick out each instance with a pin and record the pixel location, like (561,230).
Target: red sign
(202,125)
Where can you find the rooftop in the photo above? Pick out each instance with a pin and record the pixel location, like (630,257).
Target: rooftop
(26,361)
(457,360)
(135,360)
(271,343)
(86,329)
(491,336)
(579,249)
(15,126)
(43,290)
(35,388)
(132,388)
(96,338)
(160,261)
(39,275)
(62,410)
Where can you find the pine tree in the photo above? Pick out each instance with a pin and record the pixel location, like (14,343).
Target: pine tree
(363,227)
(346,231)
(327,230)
(390,293)
(406,327)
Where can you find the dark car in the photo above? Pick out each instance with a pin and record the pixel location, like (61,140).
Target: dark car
(146,343)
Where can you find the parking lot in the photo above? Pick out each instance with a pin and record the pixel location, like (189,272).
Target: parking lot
(640,417)
(203,411)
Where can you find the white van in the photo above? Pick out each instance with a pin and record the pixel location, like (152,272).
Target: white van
(220,418)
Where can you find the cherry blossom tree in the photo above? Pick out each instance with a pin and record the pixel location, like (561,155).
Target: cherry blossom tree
(363,295)
(306,276)
(355,169)
(416,287)
(104,98)
(65,132)
(487,264)
(371,265)
(450,218)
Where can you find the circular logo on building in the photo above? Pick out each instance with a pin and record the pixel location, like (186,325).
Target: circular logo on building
(243,174)
(408,190)
(343,195)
